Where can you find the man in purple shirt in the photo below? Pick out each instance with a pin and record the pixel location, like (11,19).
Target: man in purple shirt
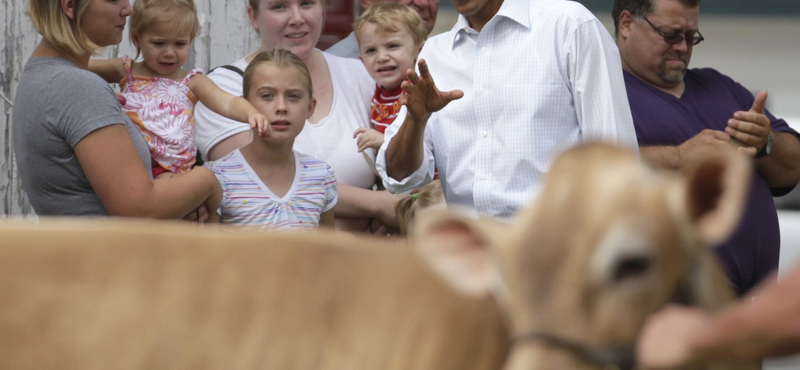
(681,113)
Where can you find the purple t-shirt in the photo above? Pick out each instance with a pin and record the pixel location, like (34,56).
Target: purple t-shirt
(710,99)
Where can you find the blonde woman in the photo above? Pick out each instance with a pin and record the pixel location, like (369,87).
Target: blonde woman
(343,90)
(77,152)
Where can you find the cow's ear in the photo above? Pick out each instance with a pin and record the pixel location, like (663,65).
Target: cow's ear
(458,249)
(717,189)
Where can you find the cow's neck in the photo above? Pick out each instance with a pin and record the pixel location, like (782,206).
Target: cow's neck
(538,356)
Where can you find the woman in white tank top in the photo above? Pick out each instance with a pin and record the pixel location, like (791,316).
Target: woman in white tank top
(343,90)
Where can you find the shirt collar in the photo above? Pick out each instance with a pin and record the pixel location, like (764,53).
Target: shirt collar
(393,92)
(517,11)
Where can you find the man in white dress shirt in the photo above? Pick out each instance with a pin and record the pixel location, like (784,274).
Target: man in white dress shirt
(427,9)
(537,76)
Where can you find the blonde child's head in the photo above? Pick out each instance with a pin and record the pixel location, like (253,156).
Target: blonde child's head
(390,37)
(429,196)
(278,84)
(280,58)
(254,3)
(59,30)
(180,15)
(391,17)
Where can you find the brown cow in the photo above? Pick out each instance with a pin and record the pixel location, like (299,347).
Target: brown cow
(608,242)
(147,295)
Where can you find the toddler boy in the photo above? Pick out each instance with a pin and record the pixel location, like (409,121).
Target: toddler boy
(390,37)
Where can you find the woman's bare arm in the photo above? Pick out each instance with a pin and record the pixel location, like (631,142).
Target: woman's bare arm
(115,170)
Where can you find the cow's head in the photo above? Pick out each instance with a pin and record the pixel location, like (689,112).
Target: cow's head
(607,243)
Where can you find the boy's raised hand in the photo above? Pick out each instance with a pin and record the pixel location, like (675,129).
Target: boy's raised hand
(421,97)
(257,119)
(368,138)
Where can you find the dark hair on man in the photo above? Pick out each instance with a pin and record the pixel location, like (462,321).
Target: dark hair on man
(639,8)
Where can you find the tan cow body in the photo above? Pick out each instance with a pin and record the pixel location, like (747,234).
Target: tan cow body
(146,295)
(608,243)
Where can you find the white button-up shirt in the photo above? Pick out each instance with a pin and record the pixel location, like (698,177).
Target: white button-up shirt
(542,76)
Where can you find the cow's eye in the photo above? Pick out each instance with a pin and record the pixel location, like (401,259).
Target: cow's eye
(631,267)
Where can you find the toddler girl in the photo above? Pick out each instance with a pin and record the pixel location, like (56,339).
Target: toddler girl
(158,95)
(266,184)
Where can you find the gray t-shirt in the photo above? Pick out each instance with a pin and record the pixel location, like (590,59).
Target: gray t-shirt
(56,105)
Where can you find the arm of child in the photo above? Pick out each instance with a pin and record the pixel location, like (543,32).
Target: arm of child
(213,204)
(232,107)
(357,202)
(111,70)
(213,217)
(326,219)
(115,171)
(368,138)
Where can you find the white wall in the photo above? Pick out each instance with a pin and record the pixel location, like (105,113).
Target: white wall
(15,44)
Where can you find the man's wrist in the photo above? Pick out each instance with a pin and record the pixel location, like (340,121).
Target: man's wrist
(420,121)
(767,148)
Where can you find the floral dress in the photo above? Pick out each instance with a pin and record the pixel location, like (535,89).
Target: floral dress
(162,109)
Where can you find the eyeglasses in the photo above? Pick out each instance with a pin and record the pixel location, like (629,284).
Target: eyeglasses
(677,39)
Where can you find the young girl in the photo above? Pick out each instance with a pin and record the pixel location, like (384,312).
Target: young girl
(158,95)
(266,184)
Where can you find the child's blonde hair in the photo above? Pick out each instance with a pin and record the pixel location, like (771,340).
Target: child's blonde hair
(182,14)
(254,3)
(57,29)
(387,17)
(406,209)
(280,58)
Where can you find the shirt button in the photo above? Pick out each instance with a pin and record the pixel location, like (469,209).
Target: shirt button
(483,177)
(484,49)
(484,134)
(480,90)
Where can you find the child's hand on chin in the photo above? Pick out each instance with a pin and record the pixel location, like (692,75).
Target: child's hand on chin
(259,120)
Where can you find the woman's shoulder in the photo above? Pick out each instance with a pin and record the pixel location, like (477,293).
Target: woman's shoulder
(345,66)
(59,77)
(61,71)
(232,69)
(229,76)
(342,63)
(351,72)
